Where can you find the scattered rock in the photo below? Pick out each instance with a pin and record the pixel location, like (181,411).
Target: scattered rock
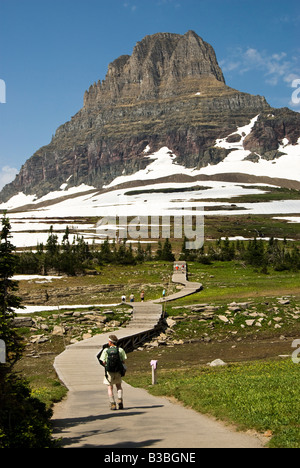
(37,339)
(223,318)
(68,313)
(250,322)
(58,330)
(284,301)
(217,363)
(207,339)
(86,336)
(19,322)
(170,322)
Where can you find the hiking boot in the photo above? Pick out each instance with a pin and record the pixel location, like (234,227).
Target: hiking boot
(113,406)
(120,404)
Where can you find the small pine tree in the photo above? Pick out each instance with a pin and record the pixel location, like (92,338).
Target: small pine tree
(167,253)
(24,420)
(140,255)
(52,245)
(148,253)
(158,255)
(8,300)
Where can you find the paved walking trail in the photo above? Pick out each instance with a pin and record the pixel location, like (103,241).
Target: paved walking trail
(83,419)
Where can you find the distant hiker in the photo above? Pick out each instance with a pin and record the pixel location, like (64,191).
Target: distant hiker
(131,297)
(123,298)
(142,296)
(164,293)
(177,267)
(112,358)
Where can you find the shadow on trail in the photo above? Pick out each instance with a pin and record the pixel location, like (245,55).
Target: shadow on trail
(121,445)
(67,423)
(62,427)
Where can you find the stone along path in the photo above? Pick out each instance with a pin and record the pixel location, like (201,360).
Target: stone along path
(83,419)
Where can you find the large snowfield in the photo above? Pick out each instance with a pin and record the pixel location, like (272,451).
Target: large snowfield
(31,226)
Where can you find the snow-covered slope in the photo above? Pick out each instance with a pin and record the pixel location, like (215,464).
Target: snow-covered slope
(164,162)
(31,224)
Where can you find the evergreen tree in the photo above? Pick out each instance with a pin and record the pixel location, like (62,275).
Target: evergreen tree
(52,246)
(227,250)
(106,255)
(256,253)
(158,255)
(184,252)
(140,255)
(167,253)
(148,253)
(8,300)
(65,240)
(24,420)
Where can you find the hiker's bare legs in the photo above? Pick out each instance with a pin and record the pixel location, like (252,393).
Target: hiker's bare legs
(120,395)
(110,390)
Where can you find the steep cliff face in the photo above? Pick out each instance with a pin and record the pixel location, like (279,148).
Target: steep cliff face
(271,129)
(169,92)
(161,66)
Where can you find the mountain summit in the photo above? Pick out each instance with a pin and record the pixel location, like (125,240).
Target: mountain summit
(171,93)
(161,66)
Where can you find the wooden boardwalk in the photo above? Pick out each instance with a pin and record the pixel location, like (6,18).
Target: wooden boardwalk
(145,324)
(83,419)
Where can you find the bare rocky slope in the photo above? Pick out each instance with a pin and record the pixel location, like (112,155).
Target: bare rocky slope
(169,92)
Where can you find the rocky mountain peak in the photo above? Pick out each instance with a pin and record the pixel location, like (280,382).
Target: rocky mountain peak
(170,93)
(161,66)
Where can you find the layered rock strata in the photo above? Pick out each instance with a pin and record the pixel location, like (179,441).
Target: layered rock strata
(169,92)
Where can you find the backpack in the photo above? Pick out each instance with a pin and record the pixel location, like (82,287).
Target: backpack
(99,355)
(114,363)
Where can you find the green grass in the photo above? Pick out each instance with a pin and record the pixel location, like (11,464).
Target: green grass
(40,372)
(263,396)
(271,194)
(260,395)
(249,226)
(234,280)
(152,277)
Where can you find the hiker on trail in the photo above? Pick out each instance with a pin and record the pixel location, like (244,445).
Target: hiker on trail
(142,296)
(131,297)
(112,358)
(123,298)
(164,293)
(177,267)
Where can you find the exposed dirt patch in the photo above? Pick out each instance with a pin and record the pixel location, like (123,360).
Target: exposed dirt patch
(199,353)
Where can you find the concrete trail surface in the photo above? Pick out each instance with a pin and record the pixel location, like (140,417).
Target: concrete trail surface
(84,420)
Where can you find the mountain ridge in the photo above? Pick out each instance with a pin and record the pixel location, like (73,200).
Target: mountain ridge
(169,92)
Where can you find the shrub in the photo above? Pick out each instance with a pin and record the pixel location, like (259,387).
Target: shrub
(24,420)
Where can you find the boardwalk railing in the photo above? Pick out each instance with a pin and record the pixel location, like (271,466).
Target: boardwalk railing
(145,324)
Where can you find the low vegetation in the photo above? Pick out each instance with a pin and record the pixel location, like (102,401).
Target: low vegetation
(78,257)
(256,390)
(24,419)
(262,396)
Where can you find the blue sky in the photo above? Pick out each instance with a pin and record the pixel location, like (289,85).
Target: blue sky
(51,51)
